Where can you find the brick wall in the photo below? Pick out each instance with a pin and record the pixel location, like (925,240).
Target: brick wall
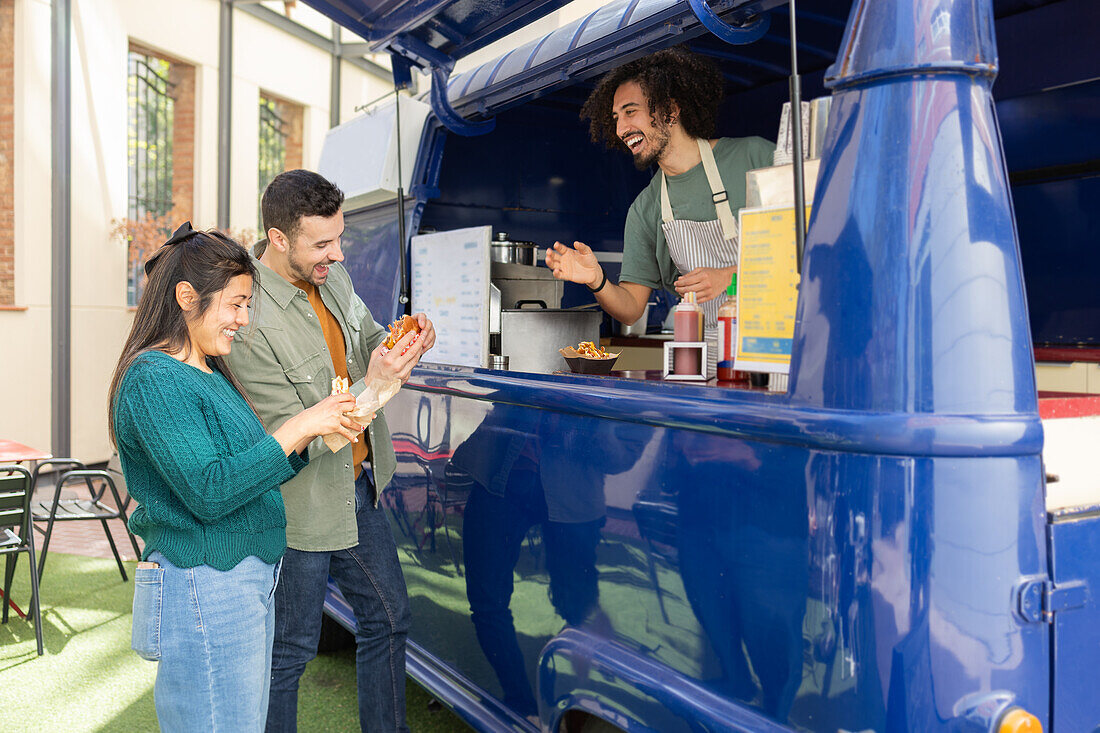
(293,115)
(183,137)
(7,152)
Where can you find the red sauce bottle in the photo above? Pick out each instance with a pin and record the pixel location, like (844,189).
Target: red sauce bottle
(687,325)
(727,336)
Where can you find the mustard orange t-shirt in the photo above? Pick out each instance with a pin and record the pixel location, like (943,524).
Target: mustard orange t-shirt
(334,338)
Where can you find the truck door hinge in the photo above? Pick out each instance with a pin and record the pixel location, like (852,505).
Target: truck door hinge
(1038,599)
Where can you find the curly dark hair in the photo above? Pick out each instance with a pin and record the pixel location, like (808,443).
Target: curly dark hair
(672,75)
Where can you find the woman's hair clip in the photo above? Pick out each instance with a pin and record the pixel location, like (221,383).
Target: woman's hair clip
(181,234)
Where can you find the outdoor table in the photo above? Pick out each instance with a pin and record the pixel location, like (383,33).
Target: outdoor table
(12,452)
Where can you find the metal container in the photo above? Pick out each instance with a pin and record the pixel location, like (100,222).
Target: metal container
(525,282)
(634,329)
(531,337)
(506,251)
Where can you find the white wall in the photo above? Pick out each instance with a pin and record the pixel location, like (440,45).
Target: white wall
(264,58)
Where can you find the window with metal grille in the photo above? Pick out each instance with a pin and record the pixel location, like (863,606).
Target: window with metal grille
(274,130)
(149,153)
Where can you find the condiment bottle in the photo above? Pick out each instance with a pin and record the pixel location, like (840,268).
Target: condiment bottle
(687,326)
(727,336)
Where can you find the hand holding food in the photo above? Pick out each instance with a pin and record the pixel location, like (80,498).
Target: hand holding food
(427,330)
(396,356)
(330,415)
(398,329)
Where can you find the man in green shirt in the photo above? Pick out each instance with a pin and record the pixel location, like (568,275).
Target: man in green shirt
(309,326)
(681,231)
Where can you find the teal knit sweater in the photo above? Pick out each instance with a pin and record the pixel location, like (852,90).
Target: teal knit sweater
(202,468)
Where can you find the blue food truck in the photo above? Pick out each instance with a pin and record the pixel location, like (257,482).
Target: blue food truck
(906,538)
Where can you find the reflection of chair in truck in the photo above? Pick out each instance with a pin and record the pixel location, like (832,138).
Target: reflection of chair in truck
(888,512)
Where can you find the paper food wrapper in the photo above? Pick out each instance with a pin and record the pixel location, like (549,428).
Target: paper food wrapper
(370,400)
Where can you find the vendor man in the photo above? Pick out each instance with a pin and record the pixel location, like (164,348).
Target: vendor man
(681,231)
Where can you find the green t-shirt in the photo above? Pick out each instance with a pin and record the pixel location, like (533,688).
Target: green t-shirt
(646,260)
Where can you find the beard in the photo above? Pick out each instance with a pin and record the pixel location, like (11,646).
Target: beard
(303,270)
(658,143)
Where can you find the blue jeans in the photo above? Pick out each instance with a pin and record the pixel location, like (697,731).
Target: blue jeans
(369,575)
(210,632)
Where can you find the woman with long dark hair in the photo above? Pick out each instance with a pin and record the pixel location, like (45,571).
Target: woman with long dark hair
(206,475)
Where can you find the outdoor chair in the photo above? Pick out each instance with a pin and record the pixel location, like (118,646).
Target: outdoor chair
(16,536)
(94,507)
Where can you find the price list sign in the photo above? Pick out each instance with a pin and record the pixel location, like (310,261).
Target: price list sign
(450,282)
(767,290)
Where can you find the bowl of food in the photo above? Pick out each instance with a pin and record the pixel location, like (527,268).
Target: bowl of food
(587,358)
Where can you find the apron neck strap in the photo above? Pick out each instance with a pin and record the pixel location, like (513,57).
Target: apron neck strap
(666,206)
(717,190)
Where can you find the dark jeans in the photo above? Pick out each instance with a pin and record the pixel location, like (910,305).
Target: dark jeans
(369,575)
(492,536)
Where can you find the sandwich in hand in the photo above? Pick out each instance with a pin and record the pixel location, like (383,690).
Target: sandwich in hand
(398,329)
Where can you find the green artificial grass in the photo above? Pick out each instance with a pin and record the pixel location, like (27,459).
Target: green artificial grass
(90,680)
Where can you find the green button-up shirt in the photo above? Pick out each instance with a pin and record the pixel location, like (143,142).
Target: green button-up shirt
(284,365)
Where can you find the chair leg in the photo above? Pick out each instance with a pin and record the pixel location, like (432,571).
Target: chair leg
(107,530)
(125,522)
(9,573)
(111,542)
(35,604)
(49,530)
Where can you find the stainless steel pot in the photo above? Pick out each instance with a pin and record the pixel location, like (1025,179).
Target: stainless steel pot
(507,251)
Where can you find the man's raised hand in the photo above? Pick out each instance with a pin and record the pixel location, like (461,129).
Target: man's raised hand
(577,265)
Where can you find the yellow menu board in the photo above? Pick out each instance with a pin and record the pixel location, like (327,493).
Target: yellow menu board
(767,290)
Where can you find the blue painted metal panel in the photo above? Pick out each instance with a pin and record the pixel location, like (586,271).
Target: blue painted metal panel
(1075,559)
(1045,47)
(1058,221)
(1052,128)
(566,680)
(772,417)
(859,589)
(1053,158)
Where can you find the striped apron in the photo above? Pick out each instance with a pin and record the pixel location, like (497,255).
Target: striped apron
(695,244)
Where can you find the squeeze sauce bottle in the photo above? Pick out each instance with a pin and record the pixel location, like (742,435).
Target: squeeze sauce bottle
(727,336)
(687,325)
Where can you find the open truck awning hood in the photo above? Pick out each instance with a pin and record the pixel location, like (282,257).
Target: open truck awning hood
(455,28)
(433,34)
